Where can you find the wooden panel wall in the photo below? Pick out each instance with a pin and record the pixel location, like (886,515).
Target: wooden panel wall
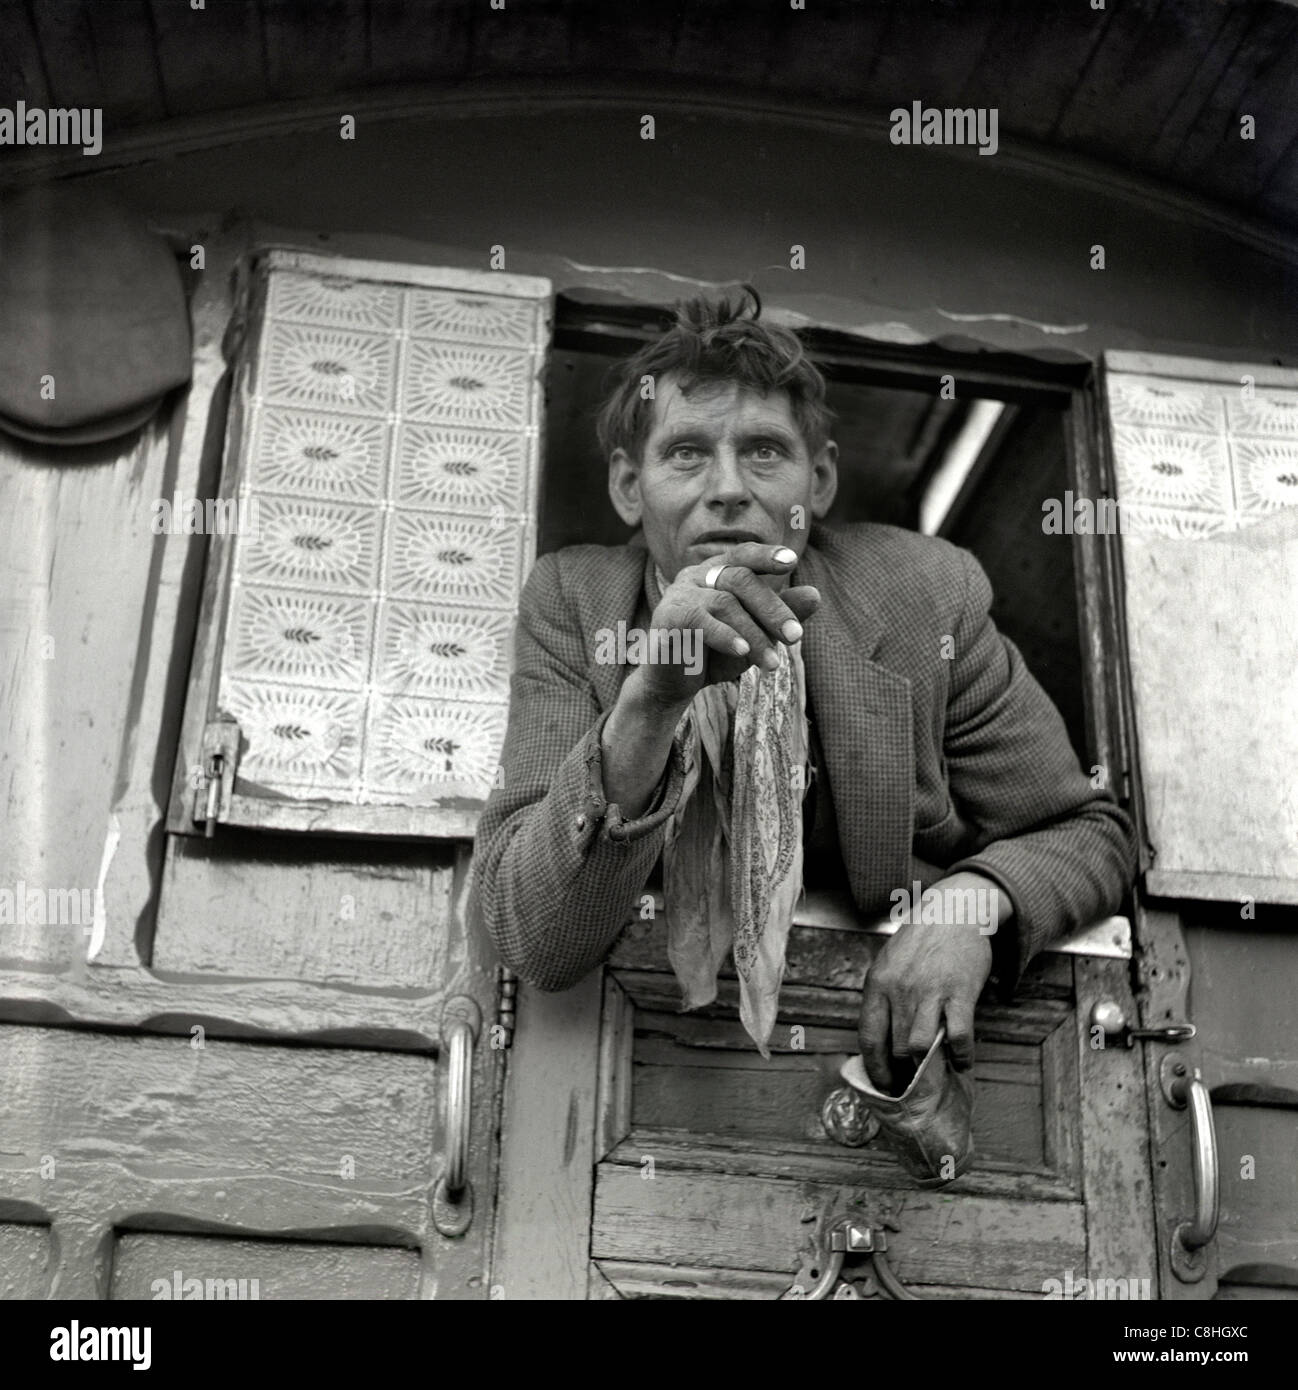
(77,573)
(1242,999)
(760,1224)
(172,1124)
(107,1132)
(288,907)
(24,1260)
(258,1269)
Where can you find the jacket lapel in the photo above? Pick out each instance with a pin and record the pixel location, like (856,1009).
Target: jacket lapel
(863,711)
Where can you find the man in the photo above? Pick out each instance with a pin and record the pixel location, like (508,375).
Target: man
(854,705)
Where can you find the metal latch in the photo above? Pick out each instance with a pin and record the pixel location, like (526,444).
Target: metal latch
(1112,1022)
(213,779)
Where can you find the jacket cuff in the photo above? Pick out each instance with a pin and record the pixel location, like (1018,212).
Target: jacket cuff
(597,809)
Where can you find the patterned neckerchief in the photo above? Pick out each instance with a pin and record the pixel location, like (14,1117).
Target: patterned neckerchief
(732,860)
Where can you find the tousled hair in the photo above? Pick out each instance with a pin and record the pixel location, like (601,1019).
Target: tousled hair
(712,342)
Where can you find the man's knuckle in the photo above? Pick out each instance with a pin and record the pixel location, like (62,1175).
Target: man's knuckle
(770,617)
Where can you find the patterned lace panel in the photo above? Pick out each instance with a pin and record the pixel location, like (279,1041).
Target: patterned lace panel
(391,445)
(1195,459)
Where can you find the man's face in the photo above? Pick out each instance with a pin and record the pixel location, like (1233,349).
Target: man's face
(719,466)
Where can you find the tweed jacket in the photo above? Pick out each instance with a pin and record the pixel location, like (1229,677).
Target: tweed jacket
(935,763)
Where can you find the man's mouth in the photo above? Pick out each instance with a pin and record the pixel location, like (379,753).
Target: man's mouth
(727,538)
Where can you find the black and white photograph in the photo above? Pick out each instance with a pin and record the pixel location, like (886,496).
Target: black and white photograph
(648,653)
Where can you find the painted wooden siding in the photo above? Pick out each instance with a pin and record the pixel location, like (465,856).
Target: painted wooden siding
(281,909)
(260,1269)
(106,1130)
(103,1132)
(77,583)
(24,1260)
(1242,993)
(898,253)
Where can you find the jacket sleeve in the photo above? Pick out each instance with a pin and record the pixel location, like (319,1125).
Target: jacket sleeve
(1063,850)
(557,870)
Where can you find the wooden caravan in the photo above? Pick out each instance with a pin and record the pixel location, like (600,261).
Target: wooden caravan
(250,1045)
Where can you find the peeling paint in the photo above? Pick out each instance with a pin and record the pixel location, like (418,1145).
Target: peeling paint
(889,331)
(644,270)
(571,1128)
(99,926)
(1014,318)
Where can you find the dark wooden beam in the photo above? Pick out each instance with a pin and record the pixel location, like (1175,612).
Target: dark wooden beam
(1253,34)
(307,50)
(129,61)
(67,45)
(1271,98)
(209,59)
(22,70)
(416,41)
(1063,45)
(1146,61)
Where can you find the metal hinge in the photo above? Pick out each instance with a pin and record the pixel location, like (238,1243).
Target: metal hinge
(506,993)
(235,336)
(213,779)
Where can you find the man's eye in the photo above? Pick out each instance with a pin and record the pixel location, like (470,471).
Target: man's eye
(767,453)
(685,453)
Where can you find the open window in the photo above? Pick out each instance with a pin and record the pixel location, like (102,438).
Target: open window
(968,454)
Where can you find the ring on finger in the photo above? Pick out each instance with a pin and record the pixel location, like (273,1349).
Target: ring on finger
(710,579)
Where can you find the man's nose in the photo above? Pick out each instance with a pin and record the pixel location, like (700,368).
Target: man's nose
(727,481)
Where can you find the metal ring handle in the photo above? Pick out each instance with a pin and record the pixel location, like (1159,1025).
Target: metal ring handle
(821,1268)
(827,1272)
(459,1103)
(461,1020)
(1195,1234)
(893,1286)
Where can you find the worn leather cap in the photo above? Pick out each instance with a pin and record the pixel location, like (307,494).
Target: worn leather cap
(92,298)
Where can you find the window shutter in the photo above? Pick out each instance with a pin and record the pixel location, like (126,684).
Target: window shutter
(352,669)
(1206,463)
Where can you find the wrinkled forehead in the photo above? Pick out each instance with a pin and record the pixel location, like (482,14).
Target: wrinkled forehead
(717,406)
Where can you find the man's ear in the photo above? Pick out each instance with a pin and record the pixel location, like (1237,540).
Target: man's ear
(624,486)
(824,480)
